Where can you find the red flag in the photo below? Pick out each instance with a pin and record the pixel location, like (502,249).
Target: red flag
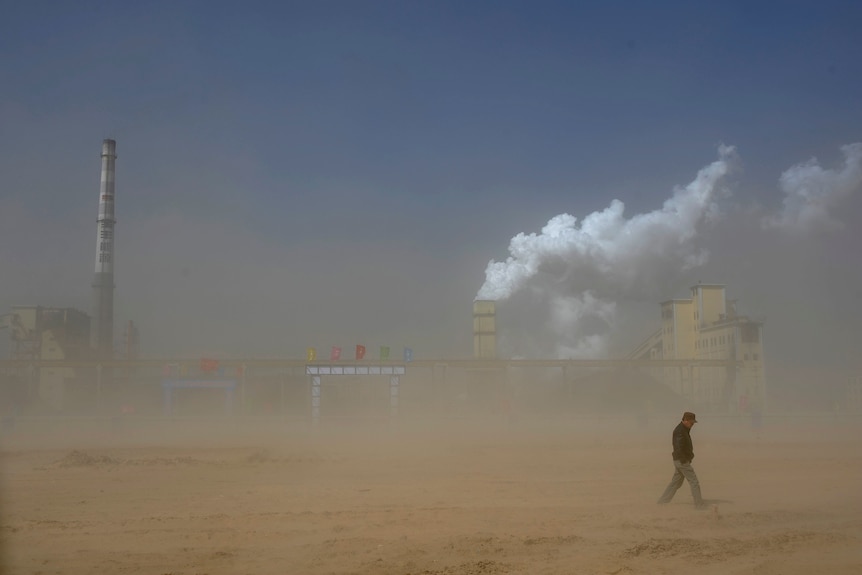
(336,353)
(208,365)
(360,352)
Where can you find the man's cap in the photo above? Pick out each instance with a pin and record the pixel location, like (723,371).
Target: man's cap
(689,416)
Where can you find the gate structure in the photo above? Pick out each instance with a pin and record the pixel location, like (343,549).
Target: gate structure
(316,371)
(169,385)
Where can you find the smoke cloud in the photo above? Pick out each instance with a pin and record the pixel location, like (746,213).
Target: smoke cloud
(812,194)
(580,270)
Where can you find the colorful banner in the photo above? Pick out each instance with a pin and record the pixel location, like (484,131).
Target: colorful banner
(384,352)
(208,365)
(408,354)
(360,352)
(310,354)
(335,354)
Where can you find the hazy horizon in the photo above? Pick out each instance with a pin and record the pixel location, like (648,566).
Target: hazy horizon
(319,174)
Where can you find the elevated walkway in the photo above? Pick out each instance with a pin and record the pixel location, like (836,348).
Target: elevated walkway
(642,352)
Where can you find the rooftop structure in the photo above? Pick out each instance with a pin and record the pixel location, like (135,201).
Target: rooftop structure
(707,326)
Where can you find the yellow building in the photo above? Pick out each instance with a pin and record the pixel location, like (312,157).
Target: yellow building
(484,329)
(706,326)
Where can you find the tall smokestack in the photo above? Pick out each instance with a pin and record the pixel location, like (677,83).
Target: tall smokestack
(102,327)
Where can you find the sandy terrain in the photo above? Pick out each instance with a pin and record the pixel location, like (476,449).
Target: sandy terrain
(440,499)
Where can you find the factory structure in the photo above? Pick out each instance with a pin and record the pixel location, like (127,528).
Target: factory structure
(39,333)
(707,326)
(484,329)
(702,327)
(102,331)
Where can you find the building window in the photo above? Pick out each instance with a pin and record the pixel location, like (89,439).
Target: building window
(755,356)
(750,333)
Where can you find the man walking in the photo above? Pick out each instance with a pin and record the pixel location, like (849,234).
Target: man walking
(683,453)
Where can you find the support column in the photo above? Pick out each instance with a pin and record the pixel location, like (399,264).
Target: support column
(393,395)
(99,388)
(167,392)
(281,396)
(228,401)
(243,410)
(567,381)
(315,400)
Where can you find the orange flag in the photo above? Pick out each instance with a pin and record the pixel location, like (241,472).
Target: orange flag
(360,352)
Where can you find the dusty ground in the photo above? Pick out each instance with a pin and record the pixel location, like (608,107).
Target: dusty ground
(446,499)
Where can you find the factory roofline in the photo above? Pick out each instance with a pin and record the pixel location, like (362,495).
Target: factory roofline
(709,285)
(728,321)
(48,308)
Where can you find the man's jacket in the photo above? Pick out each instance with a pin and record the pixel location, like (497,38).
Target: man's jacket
(683,450)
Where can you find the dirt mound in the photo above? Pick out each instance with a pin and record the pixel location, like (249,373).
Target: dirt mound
(82,459)
(149,461)
(719,549)
(264,456)
(473,568)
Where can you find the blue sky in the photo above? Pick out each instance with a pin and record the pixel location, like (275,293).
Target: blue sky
(324,172)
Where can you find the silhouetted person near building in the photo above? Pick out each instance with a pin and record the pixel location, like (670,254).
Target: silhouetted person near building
(683,453)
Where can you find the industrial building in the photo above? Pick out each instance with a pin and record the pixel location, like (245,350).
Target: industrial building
(484,329)
(703,327)
(707,326)
(102,332)
(40,333)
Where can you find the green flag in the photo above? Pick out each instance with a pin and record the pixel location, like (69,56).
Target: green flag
(384,352)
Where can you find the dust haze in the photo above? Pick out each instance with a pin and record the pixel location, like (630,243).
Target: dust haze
(475,471)
(204,279)
(474,487)
(327,175)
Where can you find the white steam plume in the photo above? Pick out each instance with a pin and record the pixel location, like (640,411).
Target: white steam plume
(592,319)
(811,193)
(608,251)
(581,270)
